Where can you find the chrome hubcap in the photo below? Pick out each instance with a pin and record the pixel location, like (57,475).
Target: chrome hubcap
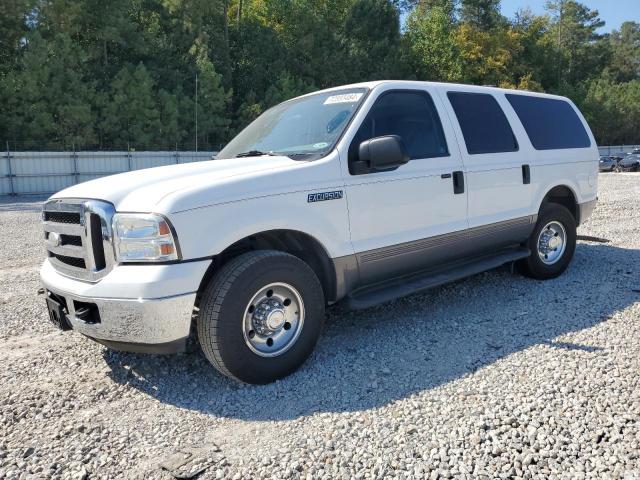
(273,320)
(552,242)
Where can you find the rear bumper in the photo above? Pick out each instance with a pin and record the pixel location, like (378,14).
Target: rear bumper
(135,319)
(585,210)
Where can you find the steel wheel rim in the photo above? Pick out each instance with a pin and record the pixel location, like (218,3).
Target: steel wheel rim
(273,320)
(552,242)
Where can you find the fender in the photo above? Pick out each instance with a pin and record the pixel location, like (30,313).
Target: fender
(207,232)
(566,184)
(581,186)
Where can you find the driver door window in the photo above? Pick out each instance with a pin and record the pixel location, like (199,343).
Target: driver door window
(410,115)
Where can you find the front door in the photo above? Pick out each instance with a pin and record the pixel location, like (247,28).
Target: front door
(411,217)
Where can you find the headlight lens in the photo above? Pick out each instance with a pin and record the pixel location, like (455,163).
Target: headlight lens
(143,237)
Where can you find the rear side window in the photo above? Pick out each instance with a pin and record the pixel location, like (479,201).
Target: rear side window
(484,125)
(410,115)
(550,123)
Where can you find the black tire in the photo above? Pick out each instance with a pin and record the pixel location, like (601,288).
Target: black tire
(533,266)
(222,310)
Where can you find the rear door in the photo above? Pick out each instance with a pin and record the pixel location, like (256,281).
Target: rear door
(497,164)
(405,219)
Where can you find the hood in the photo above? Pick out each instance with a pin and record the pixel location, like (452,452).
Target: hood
(156,189)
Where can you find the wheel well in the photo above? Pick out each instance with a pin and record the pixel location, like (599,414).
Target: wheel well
(565,197)
(296,243)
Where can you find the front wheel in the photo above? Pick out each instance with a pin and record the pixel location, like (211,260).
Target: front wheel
(552,243)
(261,316)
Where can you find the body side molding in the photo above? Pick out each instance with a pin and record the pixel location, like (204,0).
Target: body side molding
(381,264)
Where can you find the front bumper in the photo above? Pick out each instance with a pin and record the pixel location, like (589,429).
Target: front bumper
(140,306)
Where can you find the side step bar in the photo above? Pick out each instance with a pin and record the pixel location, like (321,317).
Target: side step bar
(410,284)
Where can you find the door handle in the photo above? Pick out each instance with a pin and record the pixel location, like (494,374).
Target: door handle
(526,174)
(458,182)
(445,175)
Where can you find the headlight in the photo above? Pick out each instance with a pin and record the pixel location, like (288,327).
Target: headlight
(143,237)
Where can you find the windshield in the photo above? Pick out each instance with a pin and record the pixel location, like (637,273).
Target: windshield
(307,127)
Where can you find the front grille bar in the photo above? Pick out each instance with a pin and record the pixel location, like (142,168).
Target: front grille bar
(68,251)
(95,239)
(64,228)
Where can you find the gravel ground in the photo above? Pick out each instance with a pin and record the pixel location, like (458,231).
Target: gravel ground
(496,376)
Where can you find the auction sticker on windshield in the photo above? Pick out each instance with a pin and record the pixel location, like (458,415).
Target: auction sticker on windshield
(343,98)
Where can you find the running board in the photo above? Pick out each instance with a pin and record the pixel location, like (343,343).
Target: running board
(419,282)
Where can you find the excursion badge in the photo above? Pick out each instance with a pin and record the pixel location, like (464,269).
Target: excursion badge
(324,196)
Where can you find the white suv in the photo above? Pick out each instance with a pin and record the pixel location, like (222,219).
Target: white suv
(361,194)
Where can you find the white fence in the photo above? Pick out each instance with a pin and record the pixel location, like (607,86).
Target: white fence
(619,149)
(48,172)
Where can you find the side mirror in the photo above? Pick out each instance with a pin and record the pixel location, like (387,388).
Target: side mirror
(380,154)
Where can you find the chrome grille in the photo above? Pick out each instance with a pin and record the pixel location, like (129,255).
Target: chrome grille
(62,217)
(78,237)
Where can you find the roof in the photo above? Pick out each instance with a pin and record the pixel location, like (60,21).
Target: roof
(442,85)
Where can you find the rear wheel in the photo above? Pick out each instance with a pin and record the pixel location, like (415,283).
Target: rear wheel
(552,243)
(261,316)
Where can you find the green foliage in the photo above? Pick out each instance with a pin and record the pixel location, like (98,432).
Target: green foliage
(13,27)
(131,115)
(578,50)
(613,110)
(531,59)
(48,96)
(213,101)
(372,31)
(285,88)
(481,14)
(625,52)
(95,74)
(431,49)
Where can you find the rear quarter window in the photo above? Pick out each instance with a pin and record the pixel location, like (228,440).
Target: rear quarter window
(484,126)
(550,123)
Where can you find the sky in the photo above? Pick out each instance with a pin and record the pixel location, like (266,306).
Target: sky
(613,12)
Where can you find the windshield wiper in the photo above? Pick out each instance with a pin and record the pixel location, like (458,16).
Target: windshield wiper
(300,155)
(253,153)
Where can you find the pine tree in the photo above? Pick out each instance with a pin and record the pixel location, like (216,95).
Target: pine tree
(372,30)
(51,97)
(625,51)
(132,117)
(482,14)
(213,100)
(13,28)
(579,49)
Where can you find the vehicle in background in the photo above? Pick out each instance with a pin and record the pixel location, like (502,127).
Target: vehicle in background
(635,151)
(607,164)
(630,163)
